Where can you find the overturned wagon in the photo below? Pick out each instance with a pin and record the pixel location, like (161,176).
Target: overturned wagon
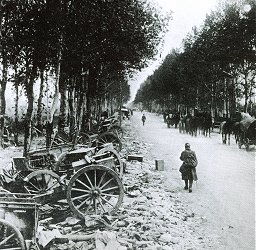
(89,180)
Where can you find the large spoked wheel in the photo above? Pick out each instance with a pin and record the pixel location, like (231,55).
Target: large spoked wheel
(41,182)
(95,189)
(84,139)
(118,164)
(109,137)
(10,237)
(116,130)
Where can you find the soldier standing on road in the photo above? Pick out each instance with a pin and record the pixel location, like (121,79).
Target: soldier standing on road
(143,118)
(189,165)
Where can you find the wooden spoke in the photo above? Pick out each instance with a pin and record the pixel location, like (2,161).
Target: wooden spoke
(37,183)
(30,191)
(87,209)
(95,205)
(81,190)
(108,189)
(79,197)
(7,239)
(101,205)
(83,202)
(110,195)
(50,187)
(35,187)
(106,183)
(101,179)
(83,184)
(95,178)
(88,179)
(49,179)
(107,201)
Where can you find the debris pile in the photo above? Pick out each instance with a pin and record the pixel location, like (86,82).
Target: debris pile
(151,217)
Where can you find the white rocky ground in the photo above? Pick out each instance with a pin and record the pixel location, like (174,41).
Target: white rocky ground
(223,200)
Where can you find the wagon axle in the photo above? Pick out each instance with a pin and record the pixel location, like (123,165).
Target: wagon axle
(95,193)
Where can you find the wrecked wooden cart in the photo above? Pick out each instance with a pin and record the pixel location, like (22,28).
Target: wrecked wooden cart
(247,133)
(18,220)
(91,183)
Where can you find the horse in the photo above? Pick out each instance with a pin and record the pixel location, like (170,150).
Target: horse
(207,124)
(226,130)
(182,125)
(236,130)
(173,120)
(193,125)
(202,121)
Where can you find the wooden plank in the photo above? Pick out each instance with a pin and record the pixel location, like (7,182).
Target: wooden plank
(135,158)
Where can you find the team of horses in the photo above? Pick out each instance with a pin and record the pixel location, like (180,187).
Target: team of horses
(200,123)
(242,126)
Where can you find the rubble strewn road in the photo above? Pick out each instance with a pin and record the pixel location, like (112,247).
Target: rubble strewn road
(156,213)
(224,196)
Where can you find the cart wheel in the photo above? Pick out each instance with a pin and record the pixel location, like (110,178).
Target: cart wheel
(10,237)
(109,137)
(41,181)
(117,130)
(84,139)
(94,189)
(118,168)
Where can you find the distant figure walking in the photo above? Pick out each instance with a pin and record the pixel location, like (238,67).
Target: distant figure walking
(143,118)
(188,167)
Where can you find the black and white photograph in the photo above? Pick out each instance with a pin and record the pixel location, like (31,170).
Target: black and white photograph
(127,124)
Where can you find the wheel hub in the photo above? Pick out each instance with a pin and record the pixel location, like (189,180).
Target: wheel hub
(95,193)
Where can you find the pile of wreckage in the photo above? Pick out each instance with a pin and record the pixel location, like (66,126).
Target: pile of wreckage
(89,198)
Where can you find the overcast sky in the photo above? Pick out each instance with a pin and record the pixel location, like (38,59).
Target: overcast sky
(186,14)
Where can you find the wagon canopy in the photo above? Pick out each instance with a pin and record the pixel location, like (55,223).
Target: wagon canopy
(246,122)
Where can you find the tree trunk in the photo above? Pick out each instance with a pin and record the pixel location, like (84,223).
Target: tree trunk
(72,118)
(79,113)
(2,94)
(16,111)
(39,102)
(246,92)
(29,114)
(55,104)
(63,104)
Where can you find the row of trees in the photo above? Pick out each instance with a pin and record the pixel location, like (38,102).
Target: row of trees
(88,47)
(216,69)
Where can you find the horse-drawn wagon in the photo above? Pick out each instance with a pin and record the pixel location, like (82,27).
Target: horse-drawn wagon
(247,132)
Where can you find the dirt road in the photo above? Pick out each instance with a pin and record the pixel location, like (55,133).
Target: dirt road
(224,195)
